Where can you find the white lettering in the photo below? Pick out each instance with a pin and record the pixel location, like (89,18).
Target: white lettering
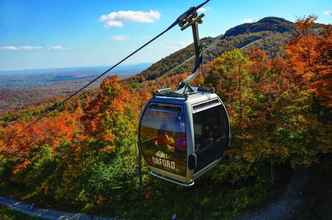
(164,163)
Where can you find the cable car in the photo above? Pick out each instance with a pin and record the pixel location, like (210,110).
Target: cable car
(182,134)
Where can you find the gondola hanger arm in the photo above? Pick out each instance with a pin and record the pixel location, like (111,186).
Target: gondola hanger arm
(192,19)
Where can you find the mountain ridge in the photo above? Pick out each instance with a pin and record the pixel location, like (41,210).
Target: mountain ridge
(268,34)
(273,24)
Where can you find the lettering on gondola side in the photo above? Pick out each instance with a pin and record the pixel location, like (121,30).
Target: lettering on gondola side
(160,158)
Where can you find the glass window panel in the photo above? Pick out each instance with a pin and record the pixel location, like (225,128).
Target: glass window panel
(163,138)
(211,134)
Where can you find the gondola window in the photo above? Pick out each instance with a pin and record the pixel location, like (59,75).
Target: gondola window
(163,138)
(210,132)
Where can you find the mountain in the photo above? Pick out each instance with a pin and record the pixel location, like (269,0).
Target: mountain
(272,24)
(268,34)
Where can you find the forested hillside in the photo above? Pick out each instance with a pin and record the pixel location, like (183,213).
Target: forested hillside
(83,156)
(268,34)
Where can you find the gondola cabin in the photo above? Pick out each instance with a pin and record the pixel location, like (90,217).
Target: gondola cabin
(182,136)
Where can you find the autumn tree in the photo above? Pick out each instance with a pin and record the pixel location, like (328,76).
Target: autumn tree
(310,55)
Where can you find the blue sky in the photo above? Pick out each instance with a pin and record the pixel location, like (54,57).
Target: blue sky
(67,33)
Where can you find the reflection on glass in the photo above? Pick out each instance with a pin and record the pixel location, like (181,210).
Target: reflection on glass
(163,138)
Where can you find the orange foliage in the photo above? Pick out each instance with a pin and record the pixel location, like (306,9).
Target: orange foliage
(260,62)
(114,97)
(322,85)
(21,166)
(21,139)
(310,55)
(303,26)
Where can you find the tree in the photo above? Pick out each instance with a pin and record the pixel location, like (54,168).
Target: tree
(310,55)
(230,77)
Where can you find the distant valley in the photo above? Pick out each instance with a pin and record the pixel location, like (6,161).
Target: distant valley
(26,79)
(19,88)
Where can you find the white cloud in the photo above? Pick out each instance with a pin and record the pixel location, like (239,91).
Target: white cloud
(8,48)
(119,38)
(202,10)
(248,20)
(25,47)
(328,13)
(118,18)
(57,47)
(30,47)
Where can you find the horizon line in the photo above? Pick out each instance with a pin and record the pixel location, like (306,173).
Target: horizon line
(70,67)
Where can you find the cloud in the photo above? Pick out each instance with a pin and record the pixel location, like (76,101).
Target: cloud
(8,48)
(57,47)
(119,38)
(202,10)
(248,20)
(25,47)
(31,48)
(118,18)
(328,13)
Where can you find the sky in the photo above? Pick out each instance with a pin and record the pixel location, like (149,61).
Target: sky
(74,33)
